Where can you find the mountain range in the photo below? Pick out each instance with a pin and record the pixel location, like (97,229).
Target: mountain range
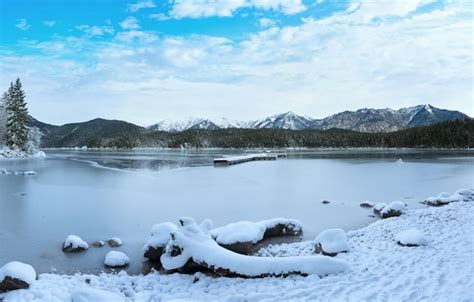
(102,132)
(362,120)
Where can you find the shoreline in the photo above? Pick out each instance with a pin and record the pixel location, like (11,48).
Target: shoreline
(371,248)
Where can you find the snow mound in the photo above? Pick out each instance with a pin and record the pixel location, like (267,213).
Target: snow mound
(411,237)
(332,241)
(394,209)
(247,231)
(75,242)
(18,270)
(190,242)
(95,295)
(116,259)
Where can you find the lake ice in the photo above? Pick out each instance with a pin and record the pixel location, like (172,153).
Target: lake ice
(72,193)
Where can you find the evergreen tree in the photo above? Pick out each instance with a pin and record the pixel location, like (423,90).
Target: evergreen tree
(17,116)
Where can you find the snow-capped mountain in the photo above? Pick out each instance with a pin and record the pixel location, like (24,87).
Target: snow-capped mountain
(190,123)
(363,120)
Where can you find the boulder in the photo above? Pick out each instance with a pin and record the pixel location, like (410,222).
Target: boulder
(98,243)
(366,204)
(325,202)
(160,235)
(16,275)
(331,242)
(116,259)
(115,242)
(74,244)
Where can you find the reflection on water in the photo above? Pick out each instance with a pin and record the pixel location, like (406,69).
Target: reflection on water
(71,194)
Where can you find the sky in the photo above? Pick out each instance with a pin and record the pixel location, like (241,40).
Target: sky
(148,60)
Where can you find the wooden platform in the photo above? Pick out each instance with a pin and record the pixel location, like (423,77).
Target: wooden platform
(233,160)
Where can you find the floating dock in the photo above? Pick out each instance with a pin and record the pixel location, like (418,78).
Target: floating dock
(233,160)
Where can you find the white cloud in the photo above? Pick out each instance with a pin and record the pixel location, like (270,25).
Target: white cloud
(226,8)
(130,23)
(266,22)
(159,17)
(49,23)
(140,5)
(316,68)
(95,30)
(23,24)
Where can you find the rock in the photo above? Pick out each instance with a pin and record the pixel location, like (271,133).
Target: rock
(245,248)
(116,259)
(394,209)
(331,242)
(325,202)
(366,204)
(379,207)
(153,253)
(74,244)
(98,243)
(411,237)
(16,275)
(115,242)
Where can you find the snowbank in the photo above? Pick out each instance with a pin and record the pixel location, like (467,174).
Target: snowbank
(74,243)
(332,241)
(116,259)
(411,237)
(18,270)
(191,243)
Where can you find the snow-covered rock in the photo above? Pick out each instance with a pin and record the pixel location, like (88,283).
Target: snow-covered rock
(332,241)
(98,243)
(366,204)
(116,259)
(411,237)
(160,235)
(241,236)
(88,294)
(16,275)
(115,242)
(25,173)
(394,209)
(191,243)
(445,197)
(379,207)
(74,244)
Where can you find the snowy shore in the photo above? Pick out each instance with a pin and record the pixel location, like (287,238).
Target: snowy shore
(380,269)
(18,154)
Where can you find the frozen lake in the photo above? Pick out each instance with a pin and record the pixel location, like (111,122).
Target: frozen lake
(101,194)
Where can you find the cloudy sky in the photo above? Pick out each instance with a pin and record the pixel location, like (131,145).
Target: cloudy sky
(144,61)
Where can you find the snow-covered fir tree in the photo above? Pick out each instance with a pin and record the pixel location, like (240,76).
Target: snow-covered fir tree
(17,116)
(3,119)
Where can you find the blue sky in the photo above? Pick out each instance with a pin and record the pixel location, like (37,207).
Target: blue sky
(148,60)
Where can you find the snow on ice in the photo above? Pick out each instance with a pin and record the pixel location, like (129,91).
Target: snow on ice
(411,237)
